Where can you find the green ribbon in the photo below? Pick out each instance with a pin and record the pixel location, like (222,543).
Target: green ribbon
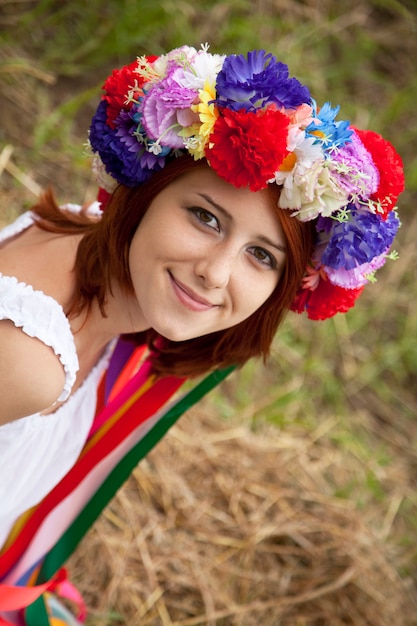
(65,546)
(36,614)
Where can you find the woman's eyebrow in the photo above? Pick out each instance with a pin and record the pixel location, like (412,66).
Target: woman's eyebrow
(279,246)
(216,206)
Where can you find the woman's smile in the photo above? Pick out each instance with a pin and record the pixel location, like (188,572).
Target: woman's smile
(188,297)
(205,256)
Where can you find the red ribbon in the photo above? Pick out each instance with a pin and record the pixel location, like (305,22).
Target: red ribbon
(13,597)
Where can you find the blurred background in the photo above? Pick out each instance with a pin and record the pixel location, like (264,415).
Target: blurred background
(287,497)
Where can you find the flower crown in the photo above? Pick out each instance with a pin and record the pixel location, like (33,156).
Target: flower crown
(255,125)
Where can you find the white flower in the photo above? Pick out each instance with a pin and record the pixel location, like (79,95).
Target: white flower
(303,153)
(154,148)
(308,187)
(178,54)
(204,67)
(104,180)
(312,192)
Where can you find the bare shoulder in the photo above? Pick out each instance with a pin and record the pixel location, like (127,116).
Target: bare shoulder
(31,375)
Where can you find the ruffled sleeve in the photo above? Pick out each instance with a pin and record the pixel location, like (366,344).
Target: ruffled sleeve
(37,314)
(40,316)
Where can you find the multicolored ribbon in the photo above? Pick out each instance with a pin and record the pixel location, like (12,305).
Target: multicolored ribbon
(136,412)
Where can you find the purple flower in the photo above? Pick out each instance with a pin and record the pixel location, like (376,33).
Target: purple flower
(324,224)
(355,169)
(358,276)
(256,81)
(129,167)
(163,112)
(360,239)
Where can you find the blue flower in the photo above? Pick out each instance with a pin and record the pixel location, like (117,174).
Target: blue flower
(130,166)
(324,224)
(360,239)
(327,131)
(257,80)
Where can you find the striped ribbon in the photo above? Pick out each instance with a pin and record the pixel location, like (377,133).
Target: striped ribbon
(136,417)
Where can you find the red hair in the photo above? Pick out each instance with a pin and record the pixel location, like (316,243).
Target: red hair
(103,255)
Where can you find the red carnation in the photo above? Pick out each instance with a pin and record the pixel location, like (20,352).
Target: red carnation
(117,87)
(389,165)
(325,301)
(247,148)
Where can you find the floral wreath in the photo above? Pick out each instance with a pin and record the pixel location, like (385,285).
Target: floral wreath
(255,125)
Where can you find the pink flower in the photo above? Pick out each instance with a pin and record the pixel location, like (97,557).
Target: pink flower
(357,276)
(163,114)
(389,165)
(354,168)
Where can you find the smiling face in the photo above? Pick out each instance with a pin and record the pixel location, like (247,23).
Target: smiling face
(205,256)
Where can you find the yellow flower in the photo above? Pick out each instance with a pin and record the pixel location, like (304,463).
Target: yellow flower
(197,134)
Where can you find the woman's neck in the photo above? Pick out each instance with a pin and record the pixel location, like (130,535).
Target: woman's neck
(120,315)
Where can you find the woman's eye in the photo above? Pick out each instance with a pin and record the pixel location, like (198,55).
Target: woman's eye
(264,257)
(206,218)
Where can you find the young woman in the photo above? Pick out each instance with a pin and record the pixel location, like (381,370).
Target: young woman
(227,198)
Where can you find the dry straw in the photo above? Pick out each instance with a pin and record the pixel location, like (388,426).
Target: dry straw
(222,526)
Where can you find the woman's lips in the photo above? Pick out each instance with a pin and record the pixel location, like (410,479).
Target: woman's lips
(190,298)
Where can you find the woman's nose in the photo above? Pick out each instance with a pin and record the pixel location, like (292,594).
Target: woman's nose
(216,268)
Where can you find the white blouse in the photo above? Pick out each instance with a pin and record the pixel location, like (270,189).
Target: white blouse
(38,450)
